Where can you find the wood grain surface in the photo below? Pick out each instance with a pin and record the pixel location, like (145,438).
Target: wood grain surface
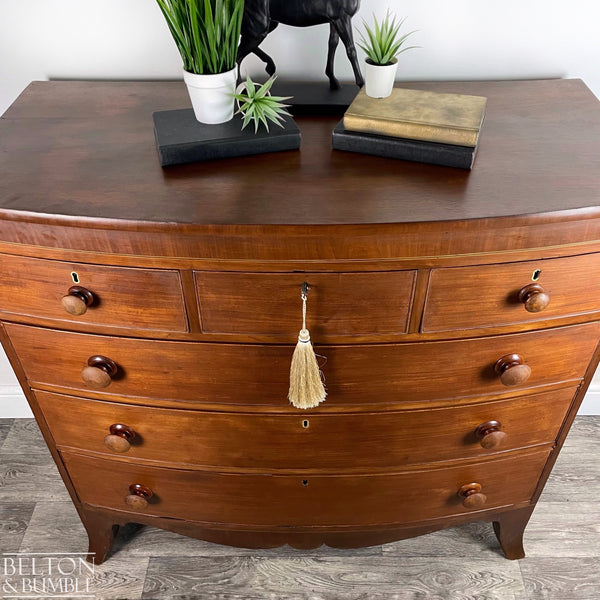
(259,374)
(126,298)
(534,132)
(488,295)
(330,443)
(305,500)
(339,304)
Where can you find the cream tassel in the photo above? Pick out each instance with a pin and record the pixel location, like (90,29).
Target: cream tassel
(306,387)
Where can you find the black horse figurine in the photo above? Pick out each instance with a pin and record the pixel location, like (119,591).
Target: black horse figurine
(262,16)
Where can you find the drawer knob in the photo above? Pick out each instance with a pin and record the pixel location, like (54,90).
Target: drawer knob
(490,435)
(77,300)
(472,496)
(534,297)
(99,371)
(118,440)
(512,370)
(138,496)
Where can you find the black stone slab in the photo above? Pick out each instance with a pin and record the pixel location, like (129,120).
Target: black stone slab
(448,155)
(181,139)
(315,98)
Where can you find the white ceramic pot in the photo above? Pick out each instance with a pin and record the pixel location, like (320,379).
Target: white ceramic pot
(379,80)
(212,95)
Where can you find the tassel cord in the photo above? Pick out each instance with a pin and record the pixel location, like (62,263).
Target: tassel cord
(304,336)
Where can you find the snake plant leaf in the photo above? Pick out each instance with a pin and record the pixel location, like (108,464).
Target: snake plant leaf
(206,32)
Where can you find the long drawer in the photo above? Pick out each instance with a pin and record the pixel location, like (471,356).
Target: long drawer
(285,442)
(304,499)
(117,296)
(259,374)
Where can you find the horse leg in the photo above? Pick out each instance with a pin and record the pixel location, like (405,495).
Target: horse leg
(343,26)
(334,38)
(269,64)
(250,44)
(270,67)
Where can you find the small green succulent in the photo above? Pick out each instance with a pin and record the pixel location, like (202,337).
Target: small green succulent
(258,106)
(382,43)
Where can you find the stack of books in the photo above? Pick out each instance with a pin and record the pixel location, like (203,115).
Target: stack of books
(441,129)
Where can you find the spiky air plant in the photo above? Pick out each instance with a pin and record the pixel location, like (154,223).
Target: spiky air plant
(256,105)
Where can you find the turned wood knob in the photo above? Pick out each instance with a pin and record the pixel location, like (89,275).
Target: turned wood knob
(118,440)
(99,371)
(77,300)
(138,496)
(471,495)
(512,370)
(534,297)
(490,435)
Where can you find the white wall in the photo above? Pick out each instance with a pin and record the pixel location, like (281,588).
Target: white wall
(460,39)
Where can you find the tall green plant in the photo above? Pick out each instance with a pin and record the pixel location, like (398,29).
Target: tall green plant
(207,32)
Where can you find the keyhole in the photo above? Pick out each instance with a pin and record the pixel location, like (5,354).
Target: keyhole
(305,423)
(305,482)
(536,275)
(75,277)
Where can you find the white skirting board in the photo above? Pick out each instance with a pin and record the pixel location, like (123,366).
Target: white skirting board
(591,402)
(14,406)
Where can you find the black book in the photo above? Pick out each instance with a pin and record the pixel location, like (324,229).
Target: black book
(447,155)
(182,139)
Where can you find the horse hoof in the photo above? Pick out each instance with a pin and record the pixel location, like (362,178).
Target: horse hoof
(334,84)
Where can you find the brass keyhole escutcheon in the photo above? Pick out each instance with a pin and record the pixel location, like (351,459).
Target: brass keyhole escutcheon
(305,424)
(74,277)
(536,275)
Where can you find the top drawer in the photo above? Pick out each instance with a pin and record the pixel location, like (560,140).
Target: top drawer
(494,295)
(120,297)
(339,304)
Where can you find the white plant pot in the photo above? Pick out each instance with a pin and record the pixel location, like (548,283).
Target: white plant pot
(379,80)
(212,95)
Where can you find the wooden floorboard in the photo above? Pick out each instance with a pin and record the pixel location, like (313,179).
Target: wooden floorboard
(562,543)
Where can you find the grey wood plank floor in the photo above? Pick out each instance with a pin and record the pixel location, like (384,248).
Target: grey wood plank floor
(562,543)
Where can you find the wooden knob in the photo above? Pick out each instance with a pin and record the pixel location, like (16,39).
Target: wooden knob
(138,496)
(490,435)
(99,371)
(119,438)
(472,496)
(77,300)
(534,297)
(512,370)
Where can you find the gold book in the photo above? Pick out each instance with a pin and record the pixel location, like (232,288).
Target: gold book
(418,115)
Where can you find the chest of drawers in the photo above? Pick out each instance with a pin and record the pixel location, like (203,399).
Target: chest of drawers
(151,317)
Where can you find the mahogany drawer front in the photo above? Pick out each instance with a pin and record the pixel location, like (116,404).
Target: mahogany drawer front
(325,441)
(338,303)
(305,499)
(488,295)
(121,296)
(259,374)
